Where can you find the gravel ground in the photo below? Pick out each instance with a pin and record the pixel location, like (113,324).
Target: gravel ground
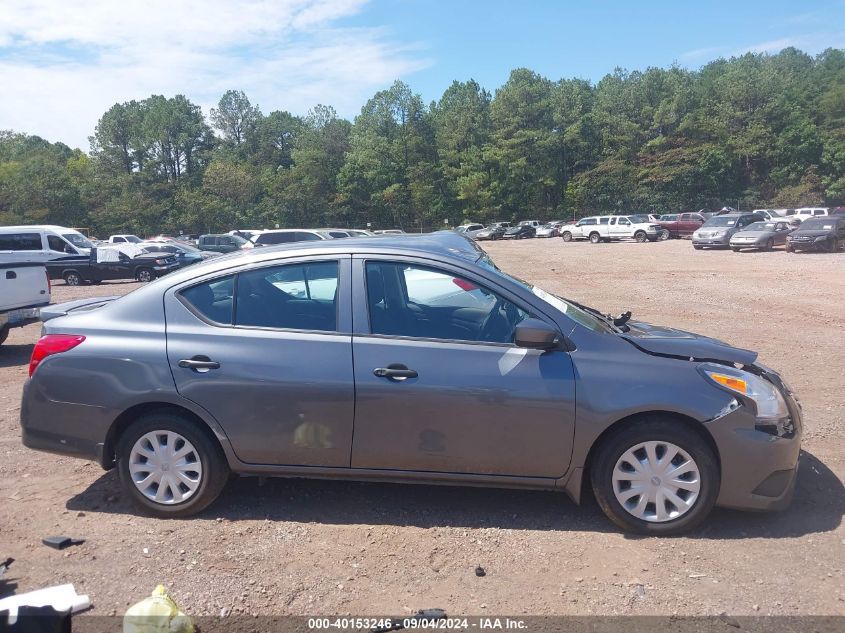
(311,547)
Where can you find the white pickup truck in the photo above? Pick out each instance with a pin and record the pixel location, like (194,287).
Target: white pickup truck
(604,228)
(24,289)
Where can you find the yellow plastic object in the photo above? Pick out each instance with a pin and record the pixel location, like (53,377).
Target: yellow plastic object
(157,614)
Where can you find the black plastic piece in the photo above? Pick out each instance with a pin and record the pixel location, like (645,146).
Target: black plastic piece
(61,542)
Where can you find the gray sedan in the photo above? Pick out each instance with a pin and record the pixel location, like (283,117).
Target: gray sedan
(761,235)
(448,370)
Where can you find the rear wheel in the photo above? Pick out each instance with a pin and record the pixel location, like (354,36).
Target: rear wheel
(72,278)
(169,466)
(640,237)
(595,238)
(567,236)
(656,476)
(145,275)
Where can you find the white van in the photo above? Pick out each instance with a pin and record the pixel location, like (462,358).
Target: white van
(41,243)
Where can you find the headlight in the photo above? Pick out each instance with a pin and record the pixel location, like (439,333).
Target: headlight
(772,413)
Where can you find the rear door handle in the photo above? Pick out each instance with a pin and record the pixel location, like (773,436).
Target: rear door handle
(395,371)
(200,363)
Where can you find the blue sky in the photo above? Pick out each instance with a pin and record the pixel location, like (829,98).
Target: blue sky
(67,62)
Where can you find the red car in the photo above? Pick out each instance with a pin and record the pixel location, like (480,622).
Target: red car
(679,225)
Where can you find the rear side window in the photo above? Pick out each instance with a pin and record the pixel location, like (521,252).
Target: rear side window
(604,220)
(293,296)
(302,236)
(20,242)
(275,238)
(213,299)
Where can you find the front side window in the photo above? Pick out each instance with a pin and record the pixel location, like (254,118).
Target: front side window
(624,222)
(420,302)
(293,296)
(57,244)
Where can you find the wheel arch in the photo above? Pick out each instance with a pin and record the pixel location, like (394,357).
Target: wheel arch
(577,485)
(133,413)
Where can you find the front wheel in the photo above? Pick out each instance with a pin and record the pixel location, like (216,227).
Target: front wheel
(770,245)
(169,466)
(595,238)
(567,236)
(145,275)
(656,476)
(697,247)
(664,235)
(640,237)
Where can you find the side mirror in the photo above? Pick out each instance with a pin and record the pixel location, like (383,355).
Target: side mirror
(535,334)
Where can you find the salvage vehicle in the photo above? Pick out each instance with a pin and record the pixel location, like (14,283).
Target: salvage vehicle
(223,243)
(492,232)
(678,225)
(470,230)
(818,234)
(761,235)
(450,370)
(184,253)
(41,243)
(125,260)
(24,290)
(521,231)
(605,228)
(718,230)
(552,229)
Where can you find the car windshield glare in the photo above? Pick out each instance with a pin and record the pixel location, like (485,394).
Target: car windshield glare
(638,219)
(78,240)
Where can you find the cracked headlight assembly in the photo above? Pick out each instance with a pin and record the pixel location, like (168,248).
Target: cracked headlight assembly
(772,412)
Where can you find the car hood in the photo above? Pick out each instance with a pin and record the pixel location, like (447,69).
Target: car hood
(811,233)
(667,341)
(754,233)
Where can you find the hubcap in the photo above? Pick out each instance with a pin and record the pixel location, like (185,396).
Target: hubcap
(165,467)
(656,481)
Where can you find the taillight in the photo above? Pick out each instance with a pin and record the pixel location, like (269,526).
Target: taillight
(50,344)
(49,285)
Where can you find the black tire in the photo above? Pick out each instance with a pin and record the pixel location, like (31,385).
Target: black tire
(145,275)
(834,245)
(4,334)
(735,250)
(566,236)
(664,235)
(73,278)
(770,245)
(595,238)
(640,237)
(663,429)
(215,468)
(789,248)
(96,282)
(697,247)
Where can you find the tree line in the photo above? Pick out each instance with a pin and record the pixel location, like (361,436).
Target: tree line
(752,131)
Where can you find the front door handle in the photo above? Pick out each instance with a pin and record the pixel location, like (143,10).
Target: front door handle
(396,371)
(200,363)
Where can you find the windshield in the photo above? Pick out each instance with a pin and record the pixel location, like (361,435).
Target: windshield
(78,240)
(638,219)
(570,309)
(817,224)
(721,220)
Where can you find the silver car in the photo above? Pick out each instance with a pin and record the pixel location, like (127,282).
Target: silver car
(447,369)
(761,235)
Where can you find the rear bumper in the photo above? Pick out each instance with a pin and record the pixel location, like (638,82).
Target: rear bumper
(81,432)
(20,317)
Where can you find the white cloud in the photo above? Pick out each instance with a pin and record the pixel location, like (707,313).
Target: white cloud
(65,63)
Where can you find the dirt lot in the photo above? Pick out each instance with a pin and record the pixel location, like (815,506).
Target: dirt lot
(310,547)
